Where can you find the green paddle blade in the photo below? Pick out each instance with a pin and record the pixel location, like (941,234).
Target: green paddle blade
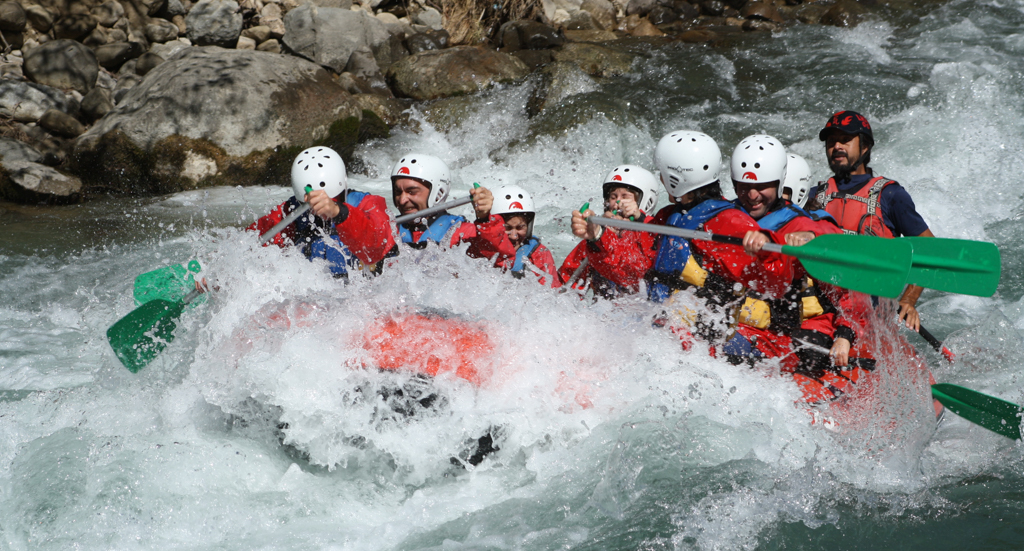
(169,283)
(955,265)
(871,265)
(996,415)
(138,337)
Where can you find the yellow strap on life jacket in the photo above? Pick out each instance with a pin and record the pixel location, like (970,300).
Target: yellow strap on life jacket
(810,307)
(693,273)
(755,313)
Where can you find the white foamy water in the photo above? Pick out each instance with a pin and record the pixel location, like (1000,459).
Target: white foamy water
(265,424)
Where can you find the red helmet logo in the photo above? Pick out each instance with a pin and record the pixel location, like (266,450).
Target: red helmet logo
(617,178)
(749,176)
(403,170)
(516,205)
(847,120)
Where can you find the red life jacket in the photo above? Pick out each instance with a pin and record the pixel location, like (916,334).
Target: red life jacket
(856,213)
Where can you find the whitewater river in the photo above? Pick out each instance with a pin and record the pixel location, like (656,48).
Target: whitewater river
(610,436)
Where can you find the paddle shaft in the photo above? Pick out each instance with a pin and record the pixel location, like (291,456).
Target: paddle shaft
(937,344)
(575,275)
(583,265)
(433,210)
(677,232)
(284,223)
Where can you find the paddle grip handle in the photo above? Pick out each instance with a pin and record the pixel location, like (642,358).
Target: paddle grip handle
(284,223)
(433,210)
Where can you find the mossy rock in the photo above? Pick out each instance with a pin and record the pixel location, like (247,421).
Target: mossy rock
(114,164)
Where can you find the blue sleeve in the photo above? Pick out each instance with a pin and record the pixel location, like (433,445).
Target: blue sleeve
(899,212)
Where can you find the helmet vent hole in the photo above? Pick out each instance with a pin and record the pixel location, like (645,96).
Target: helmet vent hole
(323,184)
(508,197)
(693,139)
(679,140)
(705,167)
(320,165)
(743,164)
(305,167)
(413,161)
(757,165)
(761,147)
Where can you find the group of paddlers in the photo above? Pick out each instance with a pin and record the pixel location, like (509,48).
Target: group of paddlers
(747,304)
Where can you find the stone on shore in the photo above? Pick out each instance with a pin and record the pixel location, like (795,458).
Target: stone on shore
(161,30)
(62,64)
(602,11)
(329,36)
(845,13)
(61,124)
(595,60)
(29,182)
(39,17)
(236,107)
(453,71)
(27,101)
(214,23)
(589,36)
(12,17)
(113,56)
(13,150)
(529,35)
(97,103)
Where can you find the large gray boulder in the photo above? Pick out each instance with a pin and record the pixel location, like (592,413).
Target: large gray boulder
(454,71)
(214,23)
(329,36)
(221,104)
(62,64)
(27,101)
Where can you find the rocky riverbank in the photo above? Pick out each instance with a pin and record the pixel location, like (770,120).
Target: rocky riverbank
(145,97)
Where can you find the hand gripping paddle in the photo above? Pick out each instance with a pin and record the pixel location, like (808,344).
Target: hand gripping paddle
(871,265)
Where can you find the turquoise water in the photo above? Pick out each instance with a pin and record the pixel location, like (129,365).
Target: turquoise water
(675,451)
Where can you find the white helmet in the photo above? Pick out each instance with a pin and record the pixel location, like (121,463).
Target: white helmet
(319,168)
(759,159)
(638,178)
(427,169)
(513,200)
(798,179)
(687,160)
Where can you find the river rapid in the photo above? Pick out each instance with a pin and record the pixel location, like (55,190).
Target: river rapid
(252,433)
